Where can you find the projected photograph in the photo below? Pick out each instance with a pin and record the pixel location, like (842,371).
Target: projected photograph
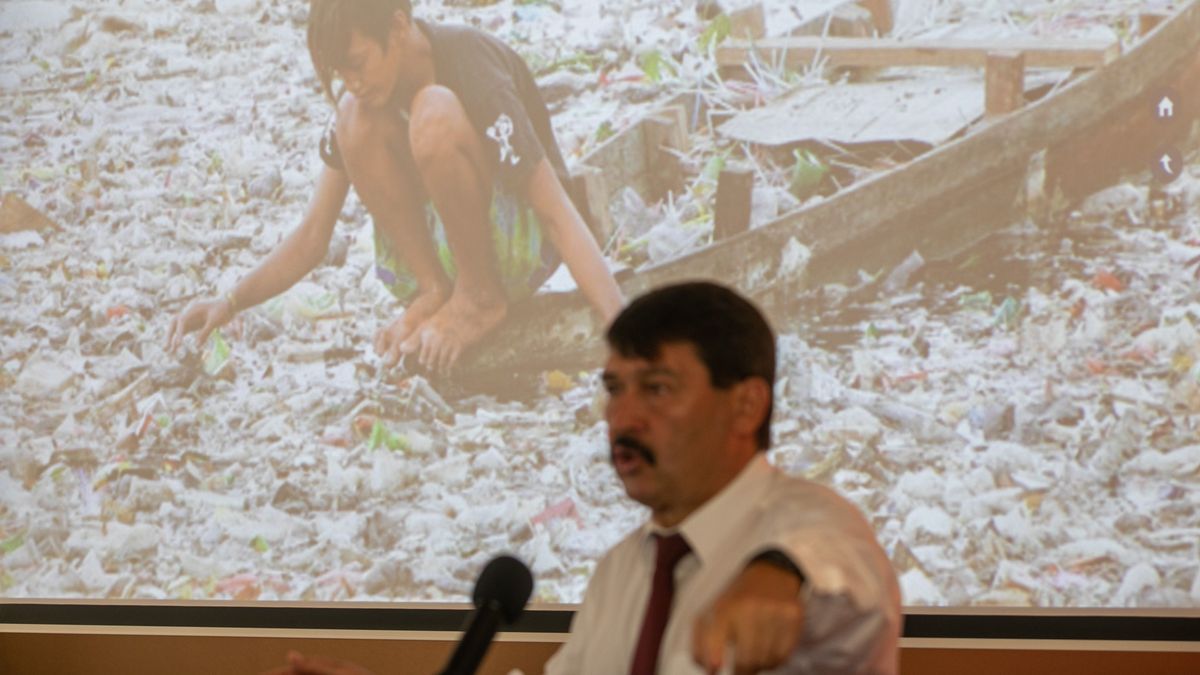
(256,344)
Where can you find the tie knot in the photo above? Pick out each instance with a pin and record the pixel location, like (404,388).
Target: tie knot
(671,550)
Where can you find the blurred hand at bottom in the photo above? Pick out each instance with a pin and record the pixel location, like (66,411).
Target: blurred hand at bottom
(299,664)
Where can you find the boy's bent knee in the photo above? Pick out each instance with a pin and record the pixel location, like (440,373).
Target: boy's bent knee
(438,125)
(436,102)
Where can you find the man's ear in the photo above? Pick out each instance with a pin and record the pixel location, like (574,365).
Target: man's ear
(752,398)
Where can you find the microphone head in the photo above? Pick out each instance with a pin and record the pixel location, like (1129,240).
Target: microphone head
(505,583)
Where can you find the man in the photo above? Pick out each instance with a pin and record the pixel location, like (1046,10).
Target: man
(442,133)
(778,572)
(771,571)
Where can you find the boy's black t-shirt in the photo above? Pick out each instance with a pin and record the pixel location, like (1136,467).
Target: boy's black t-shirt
(500,97)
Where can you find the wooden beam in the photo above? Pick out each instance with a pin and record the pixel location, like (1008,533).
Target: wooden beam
(1004,83)
(922,203)
(590,194)
(1128,138)
(1148,21)
(748,22)
(881,14)
(731,215)
(665,132)
(882,52)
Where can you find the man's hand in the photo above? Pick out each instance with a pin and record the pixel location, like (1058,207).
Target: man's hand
(759,616)
(298,664)
(203,315)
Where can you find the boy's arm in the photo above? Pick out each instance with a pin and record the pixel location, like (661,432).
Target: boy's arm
(295,256)
(574,242)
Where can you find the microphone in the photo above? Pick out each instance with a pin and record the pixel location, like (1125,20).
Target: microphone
(500,594)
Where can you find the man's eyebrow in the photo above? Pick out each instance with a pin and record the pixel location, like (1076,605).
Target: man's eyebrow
(659,371)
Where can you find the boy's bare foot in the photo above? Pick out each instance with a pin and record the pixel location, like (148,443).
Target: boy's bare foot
(390,339)
(460,323)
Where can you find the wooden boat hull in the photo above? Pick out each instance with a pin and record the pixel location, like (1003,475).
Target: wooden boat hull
(1070,143)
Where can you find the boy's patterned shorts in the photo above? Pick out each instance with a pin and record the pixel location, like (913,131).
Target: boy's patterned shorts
(524,256)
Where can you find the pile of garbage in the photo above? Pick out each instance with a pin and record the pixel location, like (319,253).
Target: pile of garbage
(1029,445)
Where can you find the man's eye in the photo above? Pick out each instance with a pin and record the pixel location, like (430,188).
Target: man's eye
(657,388)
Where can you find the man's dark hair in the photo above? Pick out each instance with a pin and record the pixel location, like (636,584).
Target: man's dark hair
(730,335)
(330,23)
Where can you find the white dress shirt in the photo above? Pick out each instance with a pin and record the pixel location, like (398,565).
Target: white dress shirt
(851,597)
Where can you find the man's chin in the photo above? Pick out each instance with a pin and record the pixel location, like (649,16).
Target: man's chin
(639,485)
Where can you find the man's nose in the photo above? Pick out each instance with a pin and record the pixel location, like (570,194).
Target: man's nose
(624,414)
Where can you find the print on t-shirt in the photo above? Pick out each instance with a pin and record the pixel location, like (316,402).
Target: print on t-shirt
(501,131)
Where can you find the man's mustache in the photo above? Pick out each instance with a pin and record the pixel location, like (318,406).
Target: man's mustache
(633,444)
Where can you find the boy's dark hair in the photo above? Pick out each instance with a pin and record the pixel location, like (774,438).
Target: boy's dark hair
(731,336)
(330,23)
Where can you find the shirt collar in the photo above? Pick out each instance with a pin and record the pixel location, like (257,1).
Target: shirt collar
(712,524)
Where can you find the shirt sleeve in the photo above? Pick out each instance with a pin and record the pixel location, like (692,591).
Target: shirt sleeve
(509,139)
(330,153)
(851,597)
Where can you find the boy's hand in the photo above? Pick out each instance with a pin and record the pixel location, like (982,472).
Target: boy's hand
(203,315)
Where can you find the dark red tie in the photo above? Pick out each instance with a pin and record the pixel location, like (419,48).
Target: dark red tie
(670,551)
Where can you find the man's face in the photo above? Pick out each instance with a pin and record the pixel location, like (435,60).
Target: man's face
(675,440)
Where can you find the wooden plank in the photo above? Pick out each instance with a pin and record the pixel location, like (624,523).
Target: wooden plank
(915,202)
(881,52)
(1129,138)
(1148,21)
(731,215)
(591,198)
(748,22)
(881,14)
(665,135)
(1004,83)
(822,18)
(868,112)
(635,156)
(622,158)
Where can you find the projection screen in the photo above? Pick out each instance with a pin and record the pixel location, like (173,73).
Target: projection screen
(987,334)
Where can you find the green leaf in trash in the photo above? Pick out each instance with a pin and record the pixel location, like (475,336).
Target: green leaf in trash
(217,354)
(163,420)
(807,174)
(381,436)
(378,434)
(981,301)
(655,65)
(13,543)
(713,167)
(215,162)
(604,131)
(1008,314)
(259,544)
(715,32)
(871,332)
